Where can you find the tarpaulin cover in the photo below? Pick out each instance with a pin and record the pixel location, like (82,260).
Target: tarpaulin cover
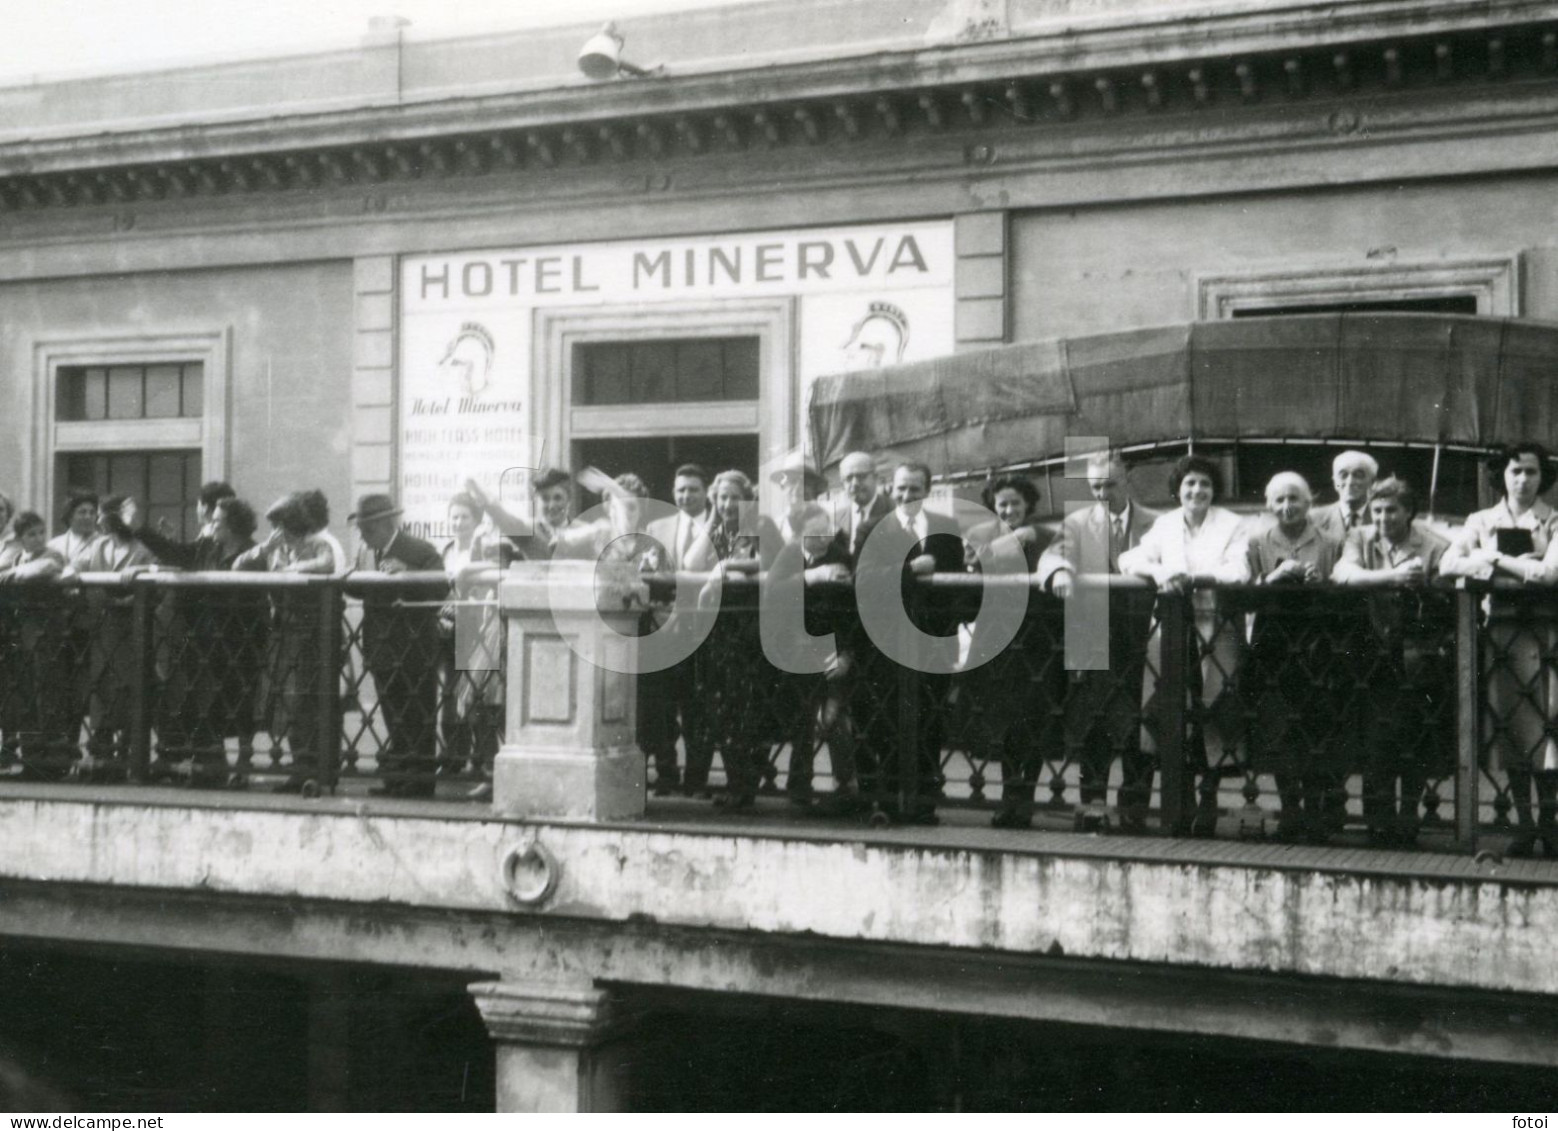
(1424,378)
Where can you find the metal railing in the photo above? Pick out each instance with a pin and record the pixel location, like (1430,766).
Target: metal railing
(232,679)
(1397,715)
(1404,715)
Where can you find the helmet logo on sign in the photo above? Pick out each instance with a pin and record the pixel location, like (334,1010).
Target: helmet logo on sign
(878,339)
(468,359)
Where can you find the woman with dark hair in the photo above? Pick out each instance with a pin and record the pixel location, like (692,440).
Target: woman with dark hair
(217,652)
(1518,540)
(1187,550)
(1008,702)
(1015,502)
(317,508)
(732,669)
(80,521)
(292,675)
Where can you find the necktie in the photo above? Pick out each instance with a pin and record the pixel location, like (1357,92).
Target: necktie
(1116,542)
(860,525)
(685,543)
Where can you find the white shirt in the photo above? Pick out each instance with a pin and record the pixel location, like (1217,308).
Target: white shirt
(1218,549)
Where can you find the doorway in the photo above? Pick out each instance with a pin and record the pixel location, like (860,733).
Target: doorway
(656,458)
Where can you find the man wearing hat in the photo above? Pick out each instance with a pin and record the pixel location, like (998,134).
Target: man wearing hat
(801,485)
(400,645)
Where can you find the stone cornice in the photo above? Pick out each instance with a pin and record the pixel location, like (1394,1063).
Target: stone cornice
(989,95)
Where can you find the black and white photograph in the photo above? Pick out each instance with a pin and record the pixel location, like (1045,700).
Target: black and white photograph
(778,556)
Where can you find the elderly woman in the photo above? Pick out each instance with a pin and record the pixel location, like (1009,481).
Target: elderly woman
(1186,550)
(1517,540)
(732,670)
(1291,677)
(292,676)
(1017,692)
(1403,666)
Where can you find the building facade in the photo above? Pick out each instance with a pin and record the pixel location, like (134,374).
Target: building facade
(391,268)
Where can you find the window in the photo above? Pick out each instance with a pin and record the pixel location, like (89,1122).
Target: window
(1448,304)
(166,391)
(1488,286)
(666,371)
(165,484)
(139,414)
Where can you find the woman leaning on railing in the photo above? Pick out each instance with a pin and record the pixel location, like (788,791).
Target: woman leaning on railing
(1189,548)
(1517,539)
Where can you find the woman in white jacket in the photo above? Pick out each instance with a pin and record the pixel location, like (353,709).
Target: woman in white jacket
(1188,549)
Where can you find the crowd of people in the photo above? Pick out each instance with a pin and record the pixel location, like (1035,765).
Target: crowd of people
(1309,692)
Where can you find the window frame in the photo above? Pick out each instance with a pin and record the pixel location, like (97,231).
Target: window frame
(1494,281)
(773,414)
(207,432)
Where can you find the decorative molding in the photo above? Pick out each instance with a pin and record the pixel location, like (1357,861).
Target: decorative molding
(1494,282)
(995,90)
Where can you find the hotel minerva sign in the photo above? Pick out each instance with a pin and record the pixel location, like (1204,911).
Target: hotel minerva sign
(768,263)
(467,391)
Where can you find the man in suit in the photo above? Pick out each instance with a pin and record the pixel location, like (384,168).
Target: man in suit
(1101,703)
(799,485)
(864,502)
(1352,474)
(814,555)
(904,545)
(674,692)
(400,646)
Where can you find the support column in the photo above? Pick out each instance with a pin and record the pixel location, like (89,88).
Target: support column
(553,1045)
(569,748)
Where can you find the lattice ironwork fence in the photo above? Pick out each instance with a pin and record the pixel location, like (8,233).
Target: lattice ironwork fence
(1402,715)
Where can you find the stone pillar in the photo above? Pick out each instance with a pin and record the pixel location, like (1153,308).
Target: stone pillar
(569,749)
(553,1045)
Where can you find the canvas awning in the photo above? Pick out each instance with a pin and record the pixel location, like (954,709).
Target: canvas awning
(1432,379)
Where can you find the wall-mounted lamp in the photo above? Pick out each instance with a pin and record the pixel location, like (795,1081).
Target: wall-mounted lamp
(601,57)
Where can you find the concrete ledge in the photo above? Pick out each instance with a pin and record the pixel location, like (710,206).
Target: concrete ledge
(1447,926)
(659,965)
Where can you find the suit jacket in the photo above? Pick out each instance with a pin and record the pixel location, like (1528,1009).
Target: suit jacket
(843,515)
(1089,527)
(933,612)
(821,609)
(663,531)
(1331,521)
(396,636)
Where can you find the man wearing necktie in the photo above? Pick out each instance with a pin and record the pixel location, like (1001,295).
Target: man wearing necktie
(1353,475)
(1102,700)
(674,691)
(866,503)
(931,543)
(400,646)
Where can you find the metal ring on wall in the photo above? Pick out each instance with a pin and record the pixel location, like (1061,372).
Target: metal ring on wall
(529,872)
